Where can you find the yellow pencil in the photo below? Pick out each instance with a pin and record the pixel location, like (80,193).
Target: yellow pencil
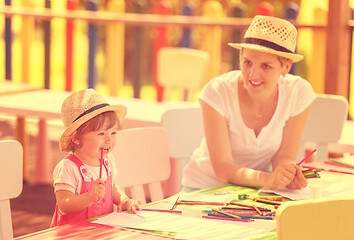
(226,213)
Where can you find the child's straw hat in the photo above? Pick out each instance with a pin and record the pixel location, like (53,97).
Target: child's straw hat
(271,35)
(81,106)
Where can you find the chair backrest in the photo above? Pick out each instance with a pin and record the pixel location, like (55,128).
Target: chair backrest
(324,124)
(316,219)
(142,158)
(182,69)
(184,127)
(11,174)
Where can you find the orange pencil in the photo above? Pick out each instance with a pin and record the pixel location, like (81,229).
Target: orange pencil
(259,211)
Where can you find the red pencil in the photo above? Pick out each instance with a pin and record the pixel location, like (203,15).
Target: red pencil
(199,203)
(101,162)
(248,206)
(305,158)
(160,210)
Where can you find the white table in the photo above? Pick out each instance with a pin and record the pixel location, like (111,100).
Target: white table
(46,104)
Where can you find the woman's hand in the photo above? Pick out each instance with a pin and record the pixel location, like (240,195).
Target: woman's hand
(130,205)
(283,175)
(97,190)
(299,181)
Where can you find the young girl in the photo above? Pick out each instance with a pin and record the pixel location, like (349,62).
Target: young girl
(84,181)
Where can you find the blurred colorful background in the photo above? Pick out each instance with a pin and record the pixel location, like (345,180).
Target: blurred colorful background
(62,51)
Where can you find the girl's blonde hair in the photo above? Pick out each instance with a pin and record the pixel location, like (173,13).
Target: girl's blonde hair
(66,143)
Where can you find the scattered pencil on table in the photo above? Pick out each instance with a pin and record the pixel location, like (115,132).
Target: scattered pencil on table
(307,157)
(187,202)
(228,219)
(267,201)
(226,213)
(160,210)
(257,209)
(271,198)
(174,204)
(249,206)
(224,192)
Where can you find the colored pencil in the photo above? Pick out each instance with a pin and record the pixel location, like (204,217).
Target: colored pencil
(257,209)
(174,204)
(258,217)
(101,163)
(226,213)
(228,219)
(270,213)
(199,203)
(269,198)
(160,210)
(249,206)
(266,201)
(307,157)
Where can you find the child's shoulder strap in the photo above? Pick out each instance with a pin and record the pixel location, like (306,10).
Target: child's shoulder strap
(75,160)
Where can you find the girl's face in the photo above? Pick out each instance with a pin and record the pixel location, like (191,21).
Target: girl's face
(92,143)
(261,71)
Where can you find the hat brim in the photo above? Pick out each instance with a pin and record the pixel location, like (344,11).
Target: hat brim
(292,56)
(120,110)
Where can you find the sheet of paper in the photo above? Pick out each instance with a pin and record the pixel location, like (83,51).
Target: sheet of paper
(331,184)
(189,227)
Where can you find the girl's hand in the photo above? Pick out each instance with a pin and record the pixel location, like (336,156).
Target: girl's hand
(130,205)
(283,175)
(299,181)
(97,190)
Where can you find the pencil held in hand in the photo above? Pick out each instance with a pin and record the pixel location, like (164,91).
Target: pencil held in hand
(307,157)
(101,163)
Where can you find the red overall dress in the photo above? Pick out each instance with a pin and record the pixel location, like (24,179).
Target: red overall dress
(104,206)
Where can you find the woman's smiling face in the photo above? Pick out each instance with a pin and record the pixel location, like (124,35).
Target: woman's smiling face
(261,71)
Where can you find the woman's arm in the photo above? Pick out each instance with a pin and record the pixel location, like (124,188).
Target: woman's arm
(217,138)
(289,147)
(292,135)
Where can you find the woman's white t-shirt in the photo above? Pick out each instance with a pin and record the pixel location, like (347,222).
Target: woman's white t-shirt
(221,93)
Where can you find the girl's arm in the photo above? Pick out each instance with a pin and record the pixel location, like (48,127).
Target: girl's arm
(123,202)
(217,138)
(69,202)
(118,195)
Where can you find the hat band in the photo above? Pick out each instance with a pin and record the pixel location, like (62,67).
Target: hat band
(94,108)
(267,44)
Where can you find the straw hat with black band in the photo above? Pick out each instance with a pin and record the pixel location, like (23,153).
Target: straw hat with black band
(271,35)
(81,106)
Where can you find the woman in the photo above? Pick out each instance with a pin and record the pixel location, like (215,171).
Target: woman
(254,118)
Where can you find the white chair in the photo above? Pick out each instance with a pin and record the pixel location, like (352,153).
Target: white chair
(11,172)
(142,159)
(324,124)
(182,69)
(324,219)
(184,127)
